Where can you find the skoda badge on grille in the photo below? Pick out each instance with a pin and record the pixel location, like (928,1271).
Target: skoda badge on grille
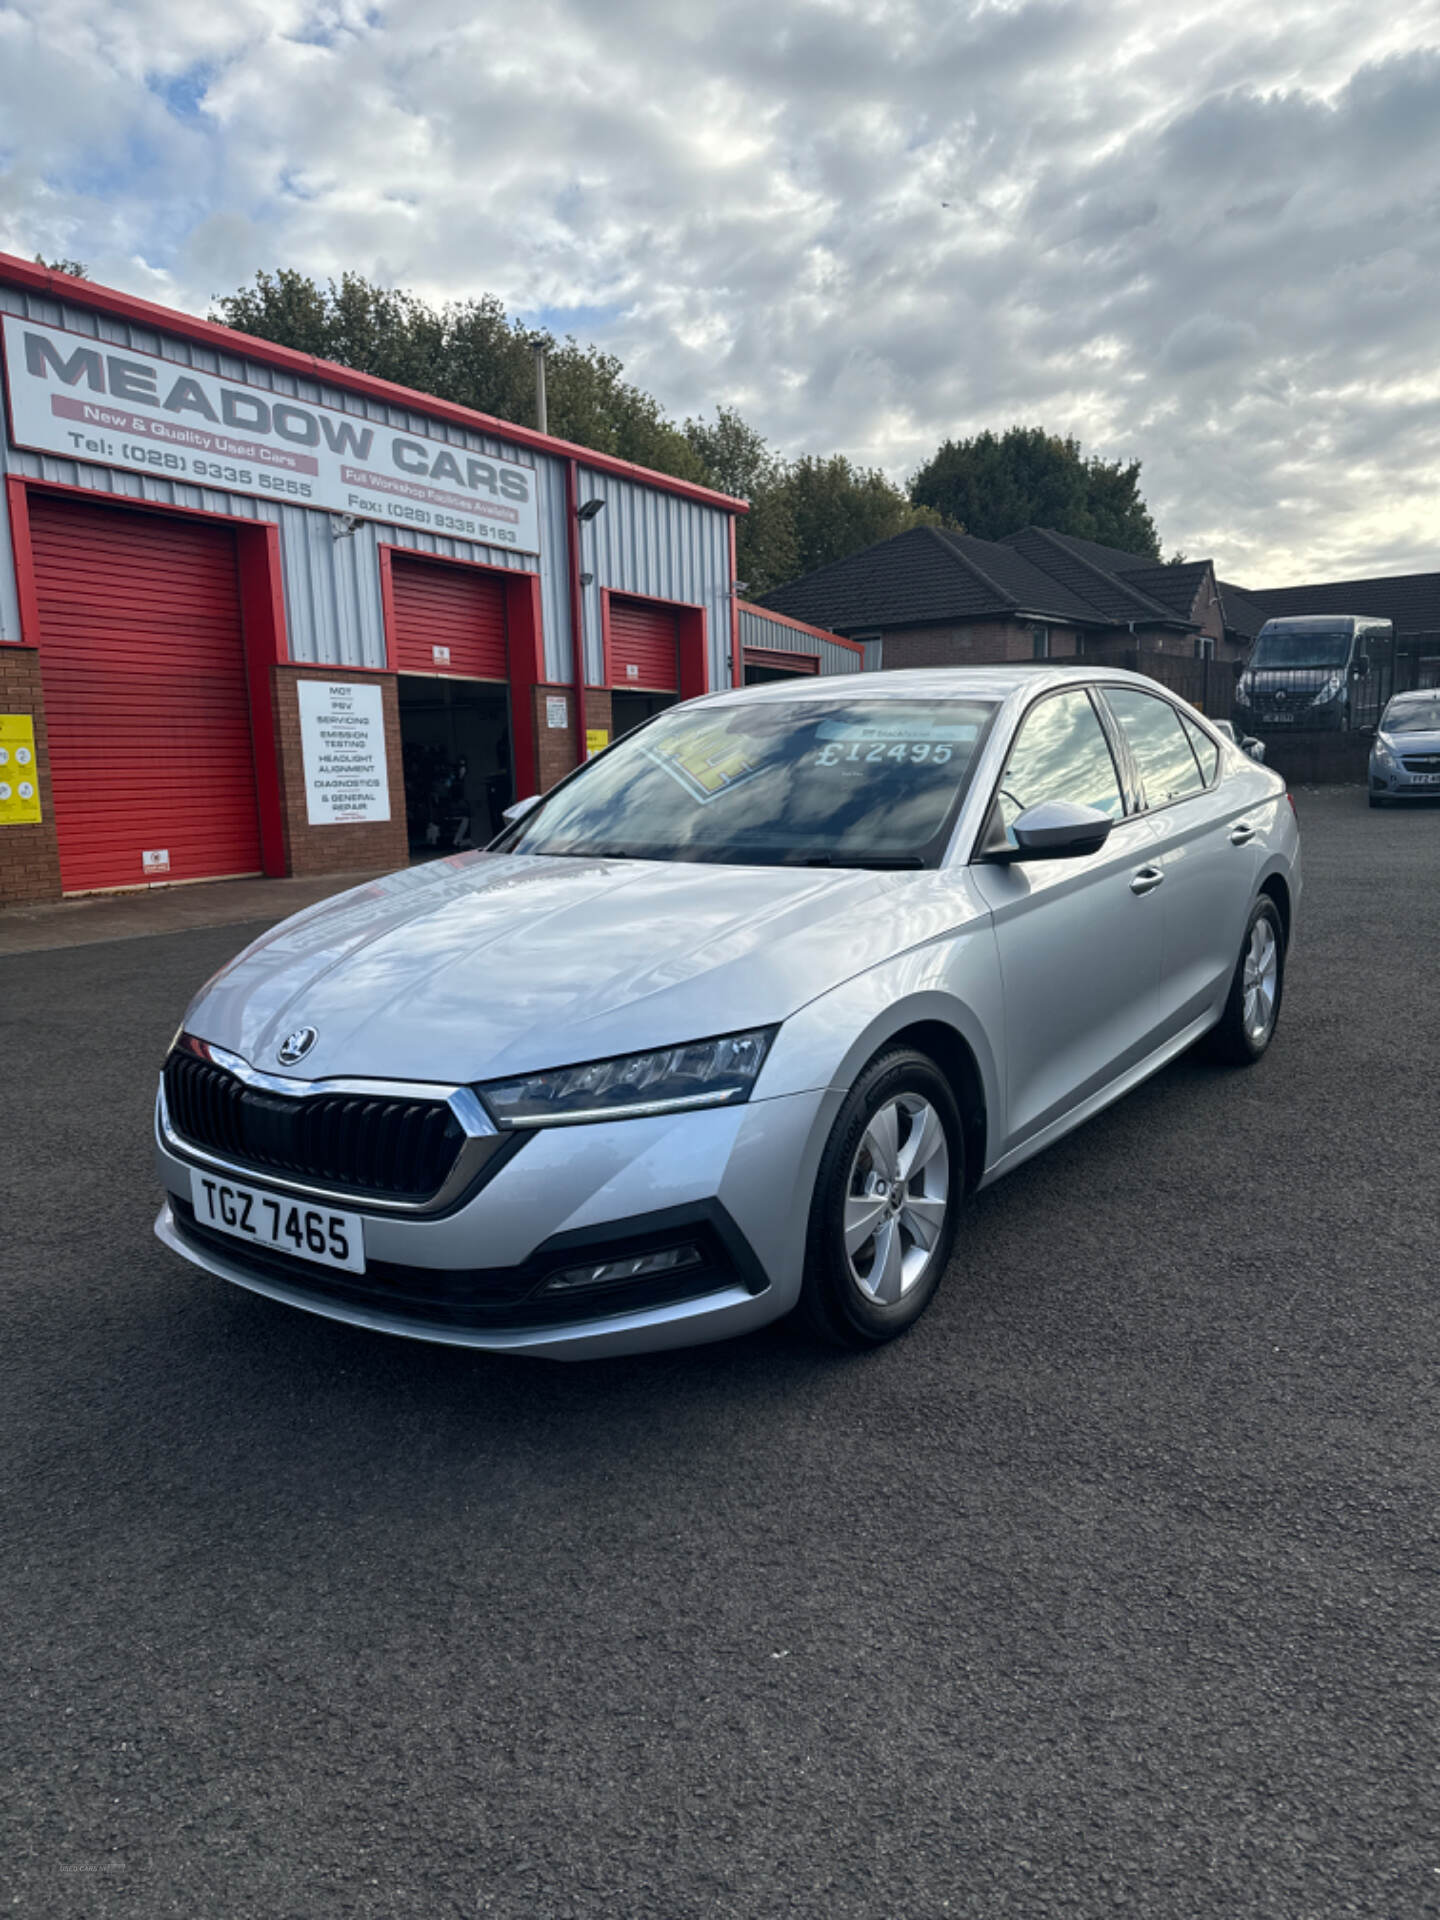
(296,1045)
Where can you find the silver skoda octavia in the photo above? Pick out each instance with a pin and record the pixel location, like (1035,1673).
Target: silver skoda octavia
(731,1021)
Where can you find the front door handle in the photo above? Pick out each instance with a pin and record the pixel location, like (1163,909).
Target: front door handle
(1146,879)
(1241,834)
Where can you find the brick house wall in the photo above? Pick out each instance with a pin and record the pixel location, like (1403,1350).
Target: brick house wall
(29,854)
(1116,641)
(977,643)
(347,847)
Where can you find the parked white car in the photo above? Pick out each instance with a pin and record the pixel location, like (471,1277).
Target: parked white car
(733,1020)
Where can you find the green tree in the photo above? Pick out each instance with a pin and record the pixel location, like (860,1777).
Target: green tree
(994,484)
(838,508)
(740,461)
(77,269)
(466,351)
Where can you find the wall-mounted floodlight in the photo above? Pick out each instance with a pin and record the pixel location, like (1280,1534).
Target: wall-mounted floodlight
(342,525)
(589,510)
(587,579)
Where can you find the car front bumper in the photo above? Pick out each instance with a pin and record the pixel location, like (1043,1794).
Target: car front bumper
(733,1182)
(1399,785)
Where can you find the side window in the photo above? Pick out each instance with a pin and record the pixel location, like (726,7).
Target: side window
(1206,751)
(1159,743)
(1060,753)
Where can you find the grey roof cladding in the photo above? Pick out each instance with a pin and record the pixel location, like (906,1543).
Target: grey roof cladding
(1411,600)
(928,576)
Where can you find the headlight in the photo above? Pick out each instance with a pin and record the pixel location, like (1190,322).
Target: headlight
(703,1073)
(1330,690)
(1381,749)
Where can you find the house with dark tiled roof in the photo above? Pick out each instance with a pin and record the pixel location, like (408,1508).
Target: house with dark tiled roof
(930,597)
(1410,600)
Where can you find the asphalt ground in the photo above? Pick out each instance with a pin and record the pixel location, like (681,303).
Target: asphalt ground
(1111,1589)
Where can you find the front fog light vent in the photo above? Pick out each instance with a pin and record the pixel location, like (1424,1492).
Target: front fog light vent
(610,1273)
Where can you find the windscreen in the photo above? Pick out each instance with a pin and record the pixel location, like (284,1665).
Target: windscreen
(851,781)
(1412,716)
(1303,647)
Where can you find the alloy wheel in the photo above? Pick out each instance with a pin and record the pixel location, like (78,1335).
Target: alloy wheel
(1262,974)
(896,1197)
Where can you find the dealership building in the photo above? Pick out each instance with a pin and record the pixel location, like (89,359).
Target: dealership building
(263,614)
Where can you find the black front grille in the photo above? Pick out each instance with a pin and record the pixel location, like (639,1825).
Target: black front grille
(352,1143)
(1421,762)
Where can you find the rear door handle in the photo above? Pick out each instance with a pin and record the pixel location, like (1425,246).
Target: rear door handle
(1146,879)
(1241,834)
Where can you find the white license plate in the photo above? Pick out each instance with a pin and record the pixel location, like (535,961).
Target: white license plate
(1423,779)
(322,1234)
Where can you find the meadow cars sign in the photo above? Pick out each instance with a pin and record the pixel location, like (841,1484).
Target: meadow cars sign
(85,399)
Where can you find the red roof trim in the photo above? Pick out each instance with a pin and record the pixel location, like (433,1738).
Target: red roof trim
(800,626)
(245,346)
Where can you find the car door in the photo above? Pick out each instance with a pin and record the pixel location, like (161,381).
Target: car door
(1208,849)
(1079,939)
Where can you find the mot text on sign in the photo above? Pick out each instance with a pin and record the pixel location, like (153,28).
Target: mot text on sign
(342,739)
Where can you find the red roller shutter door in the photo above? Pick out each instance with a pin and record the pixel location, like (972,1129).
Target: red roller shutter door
(457,608)
(647,638)
(143,663)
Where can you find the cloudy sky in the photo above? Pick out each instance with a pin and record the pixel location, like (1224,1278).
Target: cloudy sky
(1203,235)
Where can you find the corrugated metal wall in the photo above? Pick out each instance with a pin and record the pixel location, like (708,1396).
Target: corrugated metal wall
(332,586)
(757,629)
(658,546)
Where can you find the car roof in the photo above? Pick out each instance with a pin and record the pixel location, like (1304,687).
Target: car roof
(930,683)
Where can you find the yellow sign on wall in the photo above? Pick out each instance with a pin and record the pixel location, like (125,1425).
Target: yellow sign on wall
(19,776)
(596,740)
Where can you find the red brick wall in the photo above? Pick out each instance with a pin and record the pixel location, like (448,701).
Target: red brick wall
(29,855)
(1120,640)
(599,714)
(554,746)
(350,848)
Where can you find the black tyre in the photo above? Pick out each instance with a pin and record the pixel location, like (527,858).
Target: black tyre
(886,1201)
(1378,800)
(1252,1010)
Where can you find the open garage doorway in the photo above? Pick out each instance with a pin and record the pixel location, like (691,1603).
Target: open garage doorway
(456,741)
(762,665)
(628,710)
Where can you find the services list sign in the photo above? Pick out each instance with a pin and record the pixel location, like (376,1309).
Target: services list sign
(342,739)
(88,400)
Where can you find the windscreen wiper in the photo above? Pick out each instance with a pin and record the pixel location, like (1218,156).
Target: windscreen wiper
(876,862)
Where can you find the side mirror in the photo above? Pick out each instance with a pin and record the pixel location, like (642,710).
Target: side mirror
(1361,667)
(1053,830)
(521,808)
(1255,749)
